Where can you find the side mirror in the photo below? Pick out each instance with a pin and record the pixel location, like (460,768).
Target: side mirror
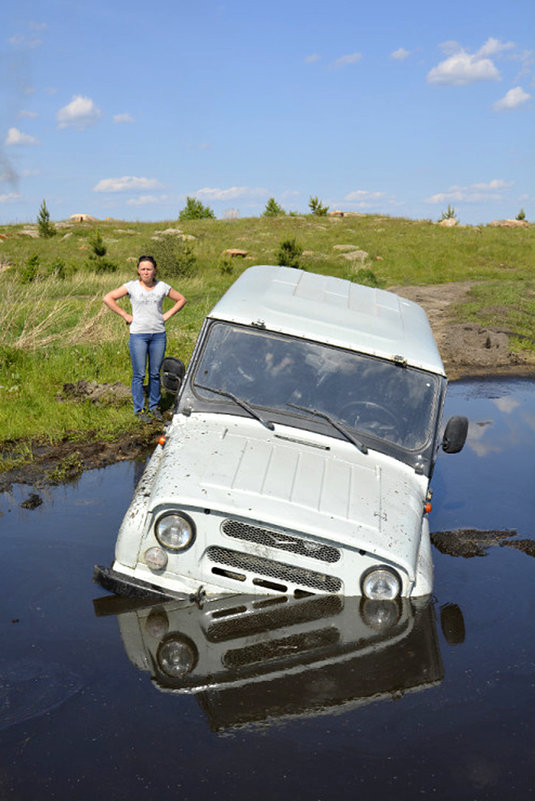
(452,624)
(172,373)
(455,434)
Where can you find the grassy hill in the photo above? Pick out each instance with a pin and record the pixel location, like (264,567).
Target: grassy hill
(55,329)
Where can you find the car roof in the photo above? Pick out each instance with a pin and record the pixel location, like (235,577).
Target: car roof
(331,310)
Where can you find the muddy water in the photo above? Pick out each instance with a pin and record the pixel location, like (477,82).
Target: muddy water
(312,698)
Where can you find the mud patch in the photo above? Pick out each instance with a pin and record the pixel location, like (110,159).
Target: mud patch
(32,501)
(526,546)
(102,394)
(54,464)
(470,542)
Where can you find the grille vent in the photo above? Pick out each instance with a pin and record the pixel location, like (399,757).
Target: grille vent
(274,539)
(277,570)
(294,645)
(270,618)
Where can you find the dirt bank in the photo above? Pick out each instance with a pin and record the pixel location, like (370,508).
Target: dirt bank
(466,349)
(65,461)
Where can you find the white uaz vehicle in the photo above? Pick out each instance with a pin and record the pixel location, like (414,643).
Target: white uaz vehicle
(299,455)
(270,660)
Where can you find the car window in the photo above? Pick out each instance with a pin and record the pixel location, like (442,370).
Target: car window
(370,395)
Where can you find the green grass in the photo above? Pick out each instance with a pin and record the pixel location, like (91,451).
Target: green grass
(508,306)
(54,331)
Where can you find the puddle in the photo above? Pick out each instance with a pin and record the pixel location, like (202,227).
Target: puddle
(319,697)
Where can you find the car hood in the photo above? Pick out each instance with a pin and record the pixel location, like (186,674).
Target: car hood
(294,479)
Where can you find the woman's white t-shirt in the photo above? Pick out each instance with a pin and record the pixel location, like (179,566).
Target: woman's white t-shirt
(147,307)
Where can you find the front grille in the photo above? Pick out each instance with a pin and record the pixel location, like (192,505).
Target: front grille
(259,566)
(296,645)
(274,539)
(269,619)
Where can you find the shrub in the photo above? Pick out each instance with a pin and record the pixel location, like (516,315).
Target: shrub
(317,207)
(45,227)
(195,210)
(104,266)
(289,252)
(273,209)
(521,215)
(367,277)
(174,257)
(226,267)
(30,271)
(56,269)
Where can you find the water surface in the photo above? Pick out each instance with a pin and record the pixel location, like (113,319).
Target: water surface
(302,700)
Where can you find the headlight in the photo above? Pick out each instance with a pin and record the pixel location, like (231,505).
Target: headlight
(155,558)
(177,656)
(175,531)
(157,624)
(380,615)
(381,584)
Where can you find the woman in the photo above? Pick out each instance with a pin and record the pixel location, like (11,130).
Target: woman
(147,331)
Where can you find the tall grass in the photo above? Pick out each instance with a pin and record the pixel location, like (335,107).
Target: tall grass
(56,330)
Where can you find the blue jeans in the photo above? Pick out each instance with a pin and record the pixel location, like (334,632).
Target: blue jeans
(145,347)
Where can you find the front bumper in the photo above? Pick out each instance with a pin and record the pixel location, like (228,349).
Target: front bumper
(129,587)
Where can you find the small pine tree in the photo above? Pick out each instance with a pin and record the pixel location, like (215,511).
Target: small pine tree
(97,261)
(521,215)
(289,253)
(273,209)
(45,227)
(97,244)
(195,210)
(317,207)
(449,214)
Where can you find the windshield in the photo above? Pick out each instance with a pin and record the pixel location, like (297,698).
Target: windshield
(290,376)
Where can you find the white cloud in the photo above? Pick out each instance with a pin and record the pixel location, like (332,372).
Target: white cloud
(233,192)
(146,200)
(526,59)
(493,46)
(451,47)
(122,118)
(10,196)
(474,193)
(363,198)
(400,54)
(513,99)
(80,113)
(312,58)
(128,183)
(495,184)
(350,58)
(30,115)
(20,41)
(16,137)
(462,69)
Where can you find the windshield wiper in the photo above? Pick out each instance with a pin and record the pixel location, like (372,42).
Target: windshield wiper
(335,424)
(267,423)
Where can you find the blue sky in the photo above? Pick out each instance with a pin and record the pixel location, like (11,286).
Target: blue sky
(122,109)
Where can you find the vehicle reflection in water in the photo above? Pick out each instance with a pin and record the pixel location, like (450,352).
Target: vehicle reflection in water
(252,659)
